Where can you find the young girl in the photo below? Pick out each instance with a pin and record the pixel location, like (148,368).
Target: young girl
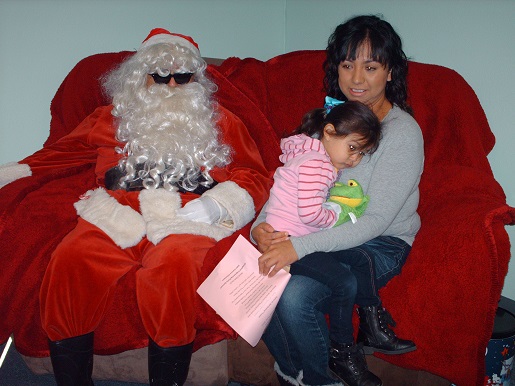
(328,140)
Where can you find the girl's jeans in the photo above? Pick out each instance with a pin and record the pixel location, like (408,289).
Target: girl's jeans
(298,335)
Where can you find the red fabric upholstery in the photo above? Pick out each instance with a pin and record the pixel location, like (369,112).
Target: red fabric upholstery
(446,296)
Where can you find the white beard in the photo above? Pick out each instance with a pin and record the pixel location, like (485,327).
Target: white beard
(171,134)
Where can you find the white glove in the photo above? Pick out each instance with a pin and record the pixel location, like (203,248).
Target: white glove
(203,209)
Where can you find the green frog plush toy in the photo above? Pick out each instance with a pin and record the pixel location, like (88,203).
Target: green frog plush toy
(350,198)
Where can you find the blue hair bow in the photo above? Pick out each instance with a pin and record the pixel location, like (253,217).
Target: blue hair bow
(330,103)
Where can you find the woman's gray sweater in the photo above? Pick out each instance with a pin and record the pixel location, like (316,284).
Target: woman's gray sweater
(390,177)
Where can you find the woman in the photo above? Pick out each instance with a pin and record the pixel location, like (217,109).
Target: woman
(365,62)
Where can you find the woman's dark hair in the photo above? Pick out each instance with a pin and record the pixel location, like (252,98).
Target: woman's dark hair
(385,48)
(347,118)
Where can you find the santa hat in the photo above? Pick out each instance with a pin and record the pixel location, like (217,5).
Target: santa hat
(160,35)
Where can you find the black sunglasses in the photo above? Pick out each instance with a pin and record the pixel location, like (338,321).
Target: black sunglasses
(180,78)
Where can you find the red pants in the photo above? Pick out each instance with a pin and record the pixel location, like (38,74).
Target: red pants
(87,265)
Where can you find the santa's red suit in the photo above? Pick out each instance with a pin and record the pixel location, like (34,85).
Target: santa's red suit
(118,230)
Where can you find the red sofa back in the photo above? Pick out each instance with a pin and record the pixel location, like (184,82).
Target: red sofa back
(447,109)
(284,88)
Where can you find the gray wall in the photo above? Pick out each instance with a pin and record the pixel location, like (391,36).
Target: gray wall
(41,40)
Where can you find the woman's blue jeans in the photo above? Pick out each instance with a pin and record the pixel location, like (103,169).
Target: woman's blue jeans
(298,334)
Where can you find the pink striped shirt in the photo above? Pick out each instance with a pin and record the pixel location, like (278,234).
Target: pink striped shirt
(300,188)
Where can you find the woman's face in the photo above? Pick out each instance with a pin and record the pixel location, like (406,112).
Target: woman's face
(364,80)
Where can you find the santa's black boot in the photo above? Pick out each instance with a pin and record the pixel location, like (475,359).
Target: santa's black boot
(347,362)
(376,335)
(72,360)
(168,366)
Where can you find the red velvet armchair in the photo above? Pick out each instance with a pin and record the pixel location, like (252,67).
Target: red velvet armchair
(446,295)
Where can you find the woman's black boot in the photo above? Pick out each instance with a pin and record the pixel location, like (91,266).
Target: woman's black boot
(347,362)
(168,366)
(376,335)
(72,360)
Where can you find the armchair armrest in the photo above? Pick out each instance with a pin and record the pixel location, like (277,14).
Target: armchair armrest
(454,275)
(35,214)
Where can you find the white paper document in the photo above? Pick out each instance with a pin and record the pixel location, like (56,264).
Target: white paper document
(245,299)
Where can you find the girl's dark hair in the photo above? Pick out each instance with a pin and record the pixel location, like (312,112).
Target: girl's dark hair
(347,118)
(385,48)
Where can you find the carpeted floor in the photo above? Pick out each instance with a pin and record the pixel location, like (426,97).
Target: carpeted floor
(14,372)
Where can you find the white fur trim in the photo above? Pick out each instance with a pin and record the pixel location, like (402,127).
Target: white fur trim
(13,171)
(293,381)
(237,201)
(170,39)
(120,222)
(159,206)
(298,381)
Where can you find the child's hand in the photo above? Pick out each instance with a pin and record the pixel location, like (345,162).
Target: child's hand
(345,215)
(265,235)
(278,256)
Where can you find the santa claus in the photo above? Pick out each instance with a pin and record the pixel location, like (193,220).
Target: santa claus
(176,172)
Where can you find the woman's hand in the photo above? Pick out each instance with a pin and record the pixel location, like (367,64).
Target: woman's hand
(277,256)
(265,236)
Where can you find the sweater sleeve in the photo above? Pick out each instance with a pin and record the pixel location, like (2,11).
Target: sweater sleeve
(316,177)
(391,175)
